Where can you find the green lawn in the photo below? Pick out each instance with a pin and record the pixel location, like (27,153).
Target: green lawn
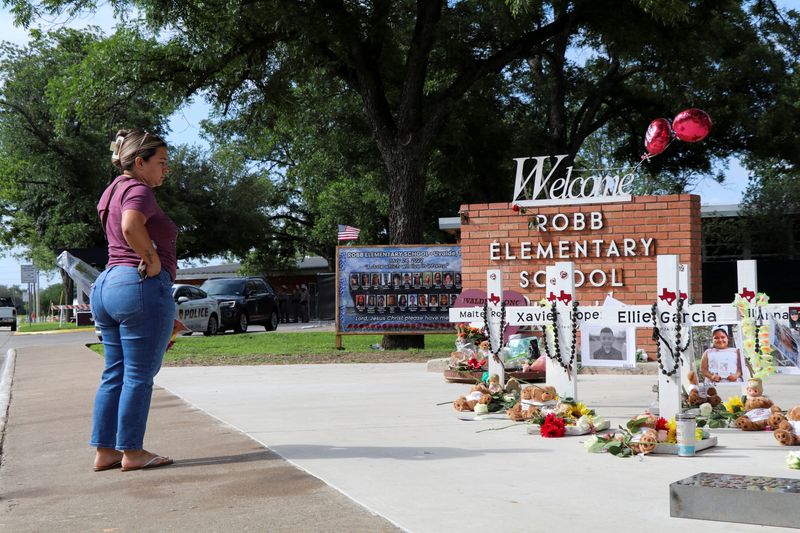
(23,326)
(294,348)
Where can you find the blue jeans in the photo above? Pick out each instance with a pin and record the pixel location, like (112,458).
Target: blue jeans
(135,317)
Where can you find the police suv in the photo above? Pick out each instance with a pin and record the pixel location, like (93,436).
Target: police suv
(196,309)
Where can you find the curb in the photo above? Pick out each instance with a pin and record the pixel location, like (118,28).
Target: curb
(53,331)
(6,378)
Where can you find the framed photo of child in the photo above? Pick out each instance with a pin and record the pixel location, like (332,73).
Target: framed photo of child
(719,361)
(608,346)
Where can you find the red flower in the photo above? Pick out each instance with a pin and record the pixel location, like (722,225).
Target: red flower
(515,208)
(661,423)
(552,426)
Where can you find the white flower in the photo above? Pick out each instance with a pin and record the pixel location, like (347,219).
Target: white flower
(591,441)
(481,409)
(584,424)
(793,460)
(705,409)
(508,398)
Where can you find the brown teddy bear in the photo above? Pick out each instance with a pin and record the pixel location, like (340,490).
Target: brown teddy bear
(695,398)
(518,414)
(647,442)
(480,387)
(468,403)
(539,394)
(788,429)
(758,410)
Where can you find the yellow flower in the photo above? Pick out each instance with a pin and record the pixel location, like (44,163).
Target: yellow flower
(672,431)
(698,434)
(733,403)
(579,409)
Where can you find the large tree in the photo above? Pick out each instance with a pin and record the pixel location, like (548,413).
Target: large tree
(55,160)
(391,84)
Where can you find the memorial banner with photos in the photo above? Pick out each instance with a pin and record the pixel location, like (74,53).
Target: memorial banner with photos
(396,289)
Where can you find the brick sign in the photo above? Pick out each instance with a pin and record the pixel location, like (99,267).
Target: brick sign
(613,245)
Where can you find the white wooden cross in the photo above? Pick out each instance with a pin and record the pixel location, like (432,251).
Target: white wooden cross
(560,286)
(474,316)
(669,386)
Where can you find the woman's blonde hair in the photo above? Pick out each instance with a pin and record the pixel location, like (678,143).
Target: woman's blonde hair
(130,144)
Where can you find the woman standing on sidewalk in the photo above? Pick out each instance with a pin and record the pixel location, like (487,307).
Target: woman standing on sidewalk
(132,301)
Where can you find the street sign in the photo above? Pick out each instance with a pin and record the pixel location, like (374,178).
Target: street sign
(28,273)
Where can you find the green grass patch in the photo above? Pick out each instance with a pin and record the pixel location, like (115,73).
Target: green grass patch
(294,348)
(23,327)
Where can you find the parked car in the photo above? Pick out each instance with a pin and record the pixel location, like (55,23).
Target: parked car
(8,313)
(197,311)
(244,301)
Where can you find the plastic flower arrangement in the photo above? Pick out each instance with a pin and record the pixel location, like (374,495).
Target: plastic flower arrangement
(760,359)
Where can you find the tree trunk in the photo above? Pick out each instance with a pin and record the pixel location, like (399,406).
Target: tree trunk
(406,196)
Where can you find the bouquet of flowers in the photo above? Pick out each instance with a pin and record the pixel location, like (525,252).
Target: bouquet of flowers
(467,334)
(641,435)
(566,417)
(468,364)
(723,415)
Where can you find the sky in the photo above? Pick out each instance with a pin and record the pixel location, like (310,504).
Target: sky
(185,129)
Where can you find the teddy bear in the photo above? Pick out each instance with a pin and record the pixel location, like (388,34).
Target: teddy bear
(483,349)
(646,443)
(696,397)
(539,394)
(480,387)
(494,384)
(788,427)
(758,411)
(468,403)
(518,414)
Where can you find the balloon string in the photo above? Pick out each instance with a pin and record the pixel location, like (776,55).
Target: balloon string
(648,157)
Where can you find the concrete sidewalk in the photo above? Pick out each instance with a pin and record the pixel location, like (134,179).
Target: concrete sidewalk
(375,433)
(221,480)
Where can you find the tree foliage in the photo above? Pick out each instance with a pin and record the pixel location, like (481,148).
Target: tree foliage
(385,114)
(55,161)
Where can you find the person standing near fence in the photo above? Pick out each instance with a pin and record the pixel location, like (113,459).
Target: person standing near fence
(296,304)
(304,303)
(132,301)
(283,304)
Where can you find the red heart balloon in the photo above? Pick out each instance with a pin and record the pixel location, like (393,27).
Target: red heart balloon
(692,125)
(657,137)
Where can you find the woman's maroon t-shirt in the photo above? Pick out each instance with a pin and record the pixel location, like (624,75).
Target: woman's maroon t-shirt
(133,194)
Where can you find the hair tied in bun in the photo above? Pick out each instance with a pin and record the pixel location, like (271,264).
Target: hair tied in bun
(116,146)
